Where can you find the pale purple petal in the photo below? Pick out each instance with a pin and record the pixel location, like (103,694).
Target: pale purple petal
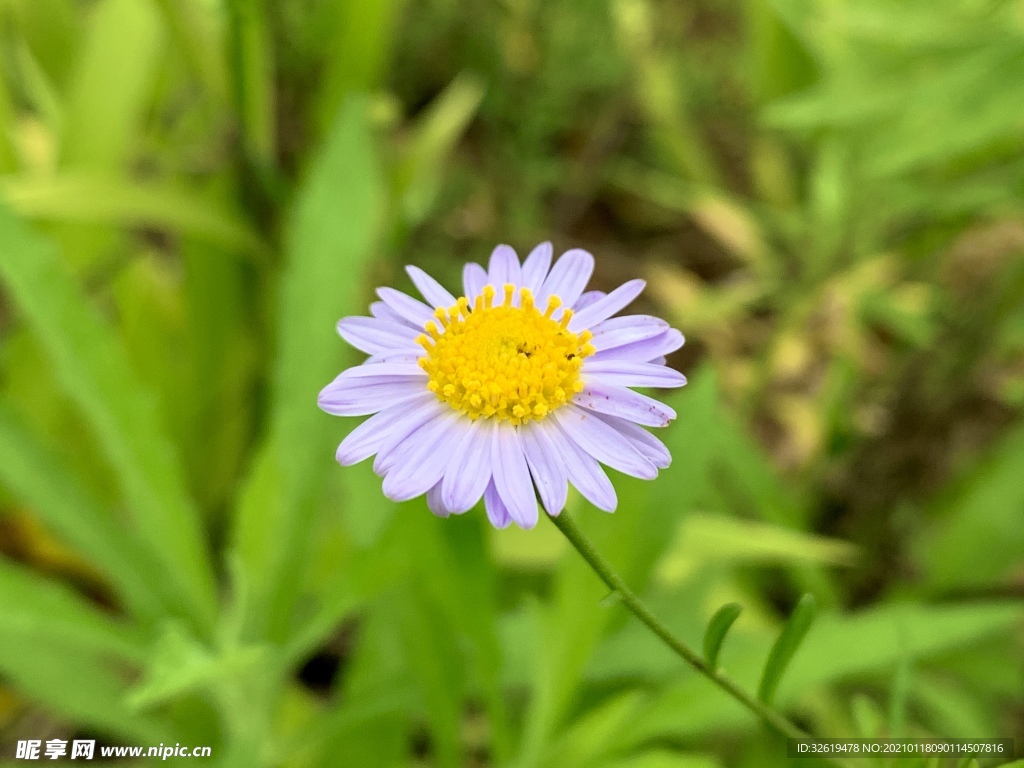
(382,311)
(413,310)
(497,512)
(434,502)
(643,351)
(546,466)
(469,469)
(512,476)
(624,403)
(583,470)
(432,291)
(662,360)
(474,278)
(536,267)
(568,277)
(373,336)
(424,465)
(399,356)
(603,442)
(587,299)
(347,396)
(398,445)
(607,306)
(392,423)
(648,445)
(383,372)
(626,330)
(504,268)
(624,373)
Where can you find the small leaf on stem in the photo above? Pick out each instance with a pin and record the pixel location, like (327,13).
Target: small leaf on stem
(717,629)
(782,652)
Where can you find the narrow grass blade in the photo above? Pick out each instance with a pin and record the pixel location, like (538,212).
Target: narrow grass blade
(786,646)
(92,367)
(333,232)
(105,199)
(52,492)
(718,628)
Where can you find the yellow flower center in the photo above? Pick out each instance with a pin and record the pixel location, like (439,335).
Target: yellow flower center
(504,362)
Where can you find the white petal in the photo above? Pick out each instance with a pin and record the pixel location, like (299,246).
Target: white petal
(568,277)
(474,278)
(469,468)
(605,307)
(587,299)
(545,465)
(504,268)
(434,502)
(512,476)
(536,267)
(648,445)
(643,351)
(624,373)
(603,442)
(424,465)
(413,310)
(432,291)
(361,397)
(385,372)
(392,423)
(394,448)
(497,512)
(625,330)
(400,356)
(583,470)
(374,337)
(624,403)
(382,311)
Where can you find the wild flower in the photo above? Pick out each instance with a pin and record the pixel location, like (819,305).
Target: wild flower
(515,389)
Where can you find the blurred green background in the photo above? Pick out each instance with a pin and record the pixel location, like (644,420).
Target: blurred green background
(826,196)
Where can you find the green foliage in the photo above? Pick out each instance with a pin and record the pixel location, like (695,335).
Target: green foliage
(824,196)
(785,647)
(717,629)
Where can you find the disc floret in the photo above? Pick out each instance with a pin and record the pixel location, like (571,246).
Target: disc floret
(509,362)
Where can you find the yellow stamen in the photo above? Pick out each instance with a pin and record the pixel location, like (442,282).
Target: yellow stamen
(509,363)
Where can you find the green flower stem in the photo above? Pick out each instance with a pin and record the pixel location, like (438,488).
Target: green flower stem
(628,598)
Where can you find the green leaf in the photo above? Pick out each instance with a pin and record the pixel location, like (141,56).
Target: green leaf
(93,369)
(50,490)
(356,40)
(65,654)
(8,160)
(661,93)
(780,62)
(193,25)
(979,530)
(786,646)
(178,664)
(705,539)
(32,607)
(590,738)
(717,629)
(108,199)
(434,664)
(84,688)
(573,621)
(432,140)
(840,648)
(663,759)
(111,86)
(251,58)
(331,237)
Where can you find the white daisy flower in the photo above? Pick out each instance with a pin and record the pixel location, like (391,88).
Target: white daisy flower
(509,392)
